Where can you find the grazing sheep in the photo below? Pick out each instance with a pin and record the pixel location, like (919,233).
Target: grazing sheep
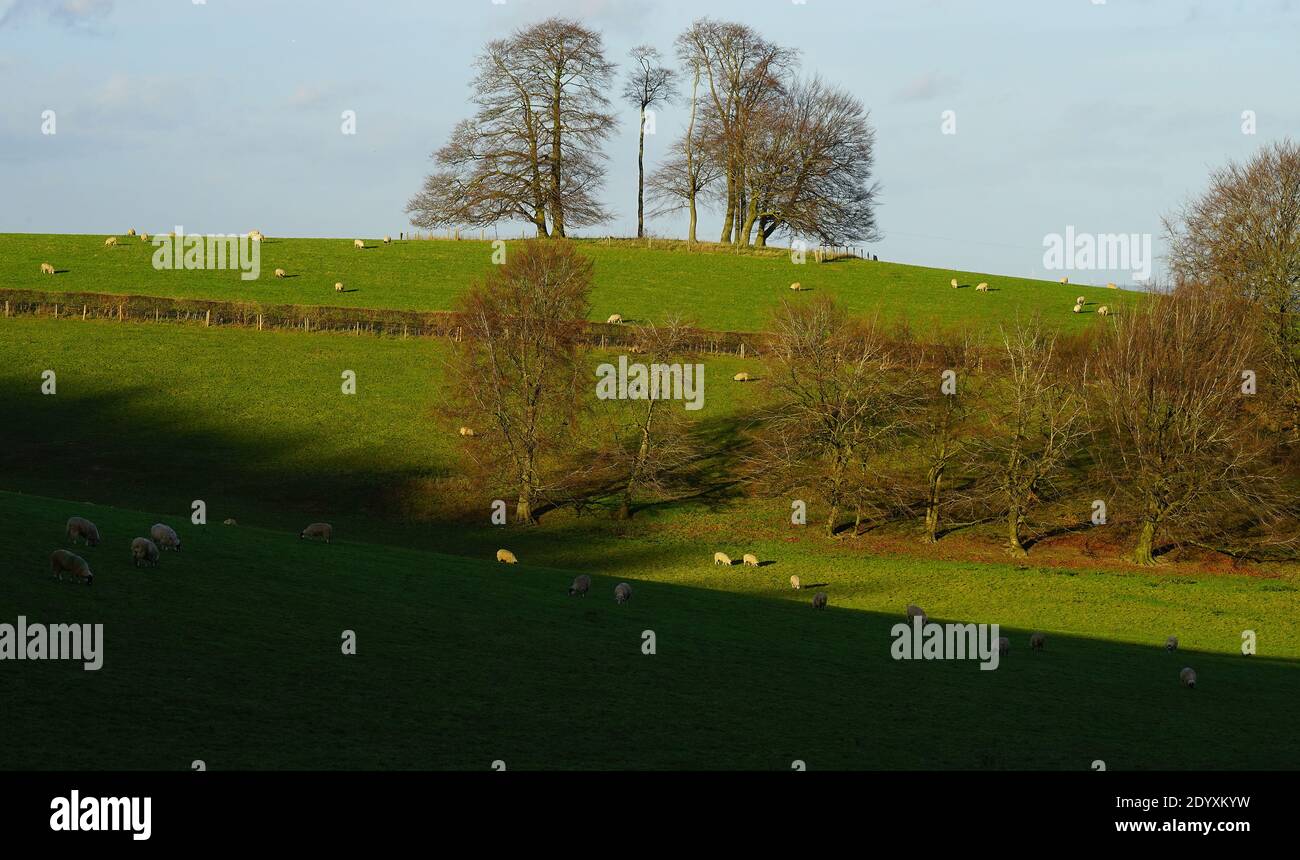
(47,269)
(1103,311)
(749,560)
(325,531)
(62,561)
(1078,309)
(280,273)
(1004,645)
(231,522)
(110,241)
(144,237)
(954,283)
(614,319)
(80,527)
(722,558)
(796,286)
(1065,280)
(1188,677)
(581,585)
(388,240)
(1081,300)
(144,551)
(741,377)
(338,286)
(914,611)
(981,288)
(467,431)
(622,593)
(165,536)
(819,600)
(1171,644)
(256,236)
(505,556)
(795,583)
(359,244)
(131,232)
(1037,641)
(1112,286)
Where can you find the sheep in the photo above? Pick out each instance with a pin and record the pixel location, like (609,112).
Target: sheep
(914,611)
(796,286)
(110,241)
(795,583)
(819,600)
(80,527)
(741,377)
(359,244)
(581,584)
(722,558)
(1078,309)
(165,536)
(981,288)
(1187,677)
(1065,280)
(622,593)
(614,319)
(230,522)
(1171,644)
(1081,300)
(467,431)
(318,530)
(1112,286)
(505,556)
(749,560)
(256,236)
(1103,311)
(954,283)
(338,286)
(62,561)
(131,232)
(1004,645)
(280,273)
(388,240)
(144,551)
(1037,641)
(47,269)
(144,237)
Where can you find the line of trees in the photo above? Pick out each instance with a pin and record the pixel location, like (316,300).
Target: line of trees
(773,151)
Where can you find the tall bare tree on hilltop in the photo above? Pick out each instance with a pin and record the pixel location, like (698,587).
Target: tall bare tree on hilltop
(648,86)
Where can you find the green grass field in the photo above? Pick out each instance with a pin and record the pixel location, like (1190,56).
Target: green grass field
(229,652)
(719,291)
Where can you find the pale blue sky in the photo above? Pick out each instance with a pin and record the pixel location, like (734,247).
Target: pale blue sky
(225,116)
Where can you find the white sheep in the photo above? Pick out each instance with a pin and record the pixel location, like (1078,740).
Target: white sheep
(1171,644)
(1112,286)
(722,558)
(1188,677)
(1065,280)
(614,319)
(256,236)
(954,283)
(324,531)
(741,377)
(338,286)
(467,431)
(796,286)
(749,560)
(1103,311)
(795,583)
(144,551)
(1037,641)
(62,561)
(819,600)
(505,556)
(1004,645)
(280,273)
(230,522)
(165,536)
(359,244)
(914,611)
(622,593)
(581,585)
(388,240)
(1081,300)
(981,288)
(80,527)
(47,269)
(111,240)
(1078,309)
(144,237)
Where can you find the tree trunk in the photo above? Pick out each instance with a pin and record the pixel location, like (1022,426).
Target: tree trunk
(557,202)
(624,511)
(932,505)
(1014,546)
(1146,539)
(640,179)
(730,217)
(690,153)
(690,232)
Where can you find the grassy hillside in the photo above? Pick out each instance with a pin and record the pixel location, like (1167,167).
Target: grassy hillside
(230,652)
(720,291)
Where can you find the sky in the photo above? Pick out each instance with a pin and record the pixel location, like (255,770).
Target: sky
(226,115)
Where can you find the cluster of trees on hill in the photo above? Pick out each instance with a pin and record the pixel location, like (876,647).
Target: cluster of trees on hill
(775,152)
(1179,415)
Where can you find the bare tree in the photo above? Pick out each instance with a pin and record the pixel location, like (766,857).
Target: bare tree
(1184,451)
(517,370)
(649,85)
(838,398)
(944,423)
(1037,422)
(680,181)
(1243,235)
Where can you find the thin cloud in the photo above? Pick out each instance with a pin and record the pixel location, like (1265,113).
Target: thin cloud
(73,14)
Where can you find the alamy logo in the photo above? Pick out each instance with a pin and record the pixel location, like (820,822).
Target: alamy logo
(1128,252)
(84,642)
(651,382)
(131,814)
(933,641)
(213,251)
